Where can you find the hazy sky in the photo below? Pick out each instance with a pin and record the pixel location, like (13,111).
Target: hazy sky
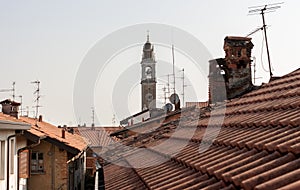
(47,40)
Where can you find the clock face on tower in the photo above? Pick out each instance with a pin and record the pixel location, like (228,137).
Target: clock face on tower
(148,72)
(149,97)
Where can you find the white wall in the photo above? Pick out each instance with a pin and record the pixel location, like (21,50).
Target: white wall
(3,137)
(18,143)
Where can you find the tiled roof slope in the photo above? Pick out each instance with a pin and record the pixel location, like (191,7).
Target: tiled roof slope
(5,117)
(44,129)
(97,136)
(258,146)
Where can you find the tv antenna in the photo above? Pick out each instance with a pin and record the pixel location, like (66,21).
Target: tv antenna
(262,9)
(93,117)
(21,98)
(173,61)
(168,91)
(114,120)
(165,94)
(13,90)
(183,86)
(37,100)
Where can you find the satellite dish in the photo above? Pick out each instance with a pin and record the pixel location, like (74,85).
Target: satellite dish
(168,107)
(174,98)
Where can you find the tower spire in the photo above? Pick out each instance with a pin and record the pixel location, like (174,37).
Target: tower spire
(147,35)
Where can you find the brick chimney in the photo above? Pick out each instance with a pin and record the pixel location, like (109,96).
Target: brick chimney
(10,107)
(232,73)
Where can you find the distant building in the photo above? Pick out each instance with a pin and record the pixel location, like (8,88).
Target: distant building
(38,155)
(196,104)
(148,80)
(98,137)
(57,157)
(136,118)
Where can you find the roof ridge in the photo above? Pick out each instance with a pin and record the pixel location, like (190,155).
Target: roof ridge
(264,91)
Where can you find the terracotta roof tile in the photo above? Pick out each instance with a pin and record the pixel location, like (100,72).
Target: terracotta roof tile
(280,181)
(5,117)
(259,166)
(291,186)
(258,146)
(97,136)
(44,129)
(270,173)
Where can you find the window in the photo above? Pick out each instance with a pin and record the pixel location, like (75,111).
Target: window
(37,162)
(12,156)
(2,159)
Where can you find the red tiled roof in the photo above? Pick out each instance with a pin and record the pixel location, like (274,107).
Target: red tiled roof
(5,117)
(258,146)
(44,129)
(97,136)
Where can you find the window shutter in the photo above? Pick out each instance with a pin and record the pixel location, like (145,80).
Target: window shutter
(24,164)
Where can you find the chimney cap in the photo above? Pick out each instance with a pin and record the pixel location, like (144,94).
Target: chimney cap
(240,38)
(9,101)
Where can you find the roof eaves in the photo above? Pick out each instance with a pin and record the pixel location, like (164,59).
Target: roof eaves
(62,145)
(14,125)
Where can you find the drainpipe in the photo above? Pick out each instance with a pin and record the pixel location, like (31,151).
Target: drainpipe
(21,149)
(53,167)
(7,171)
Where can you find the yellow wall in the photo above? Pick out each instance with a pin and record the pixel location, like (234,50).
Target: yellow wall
(55,161)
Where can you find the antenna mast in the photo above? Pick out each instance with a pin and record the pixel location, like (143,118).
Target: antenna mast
(21,97)
(262,10)
(165,94)
(168,84)
(114,120)
(183,86)
(14,90)
(37,100)
(93,117)
(173,59)
(10,90)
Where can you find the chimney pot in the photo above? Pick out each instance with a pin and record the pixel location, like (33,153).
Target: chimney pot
(40,118)
(63,133)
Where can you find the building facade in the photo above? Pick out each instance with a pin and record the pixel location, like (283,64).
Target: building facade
(148,80)
(37,155)
(57,157)
(11,141)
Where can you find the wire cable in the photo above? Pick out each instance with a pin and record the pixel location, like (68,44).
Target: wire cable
(261,54)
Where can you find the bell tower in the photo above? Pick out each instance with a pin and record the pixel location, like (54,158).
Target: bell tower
(148,80)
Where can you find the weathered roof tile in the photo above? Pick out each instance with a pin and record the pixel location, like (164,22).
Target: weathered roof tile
(257,147)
